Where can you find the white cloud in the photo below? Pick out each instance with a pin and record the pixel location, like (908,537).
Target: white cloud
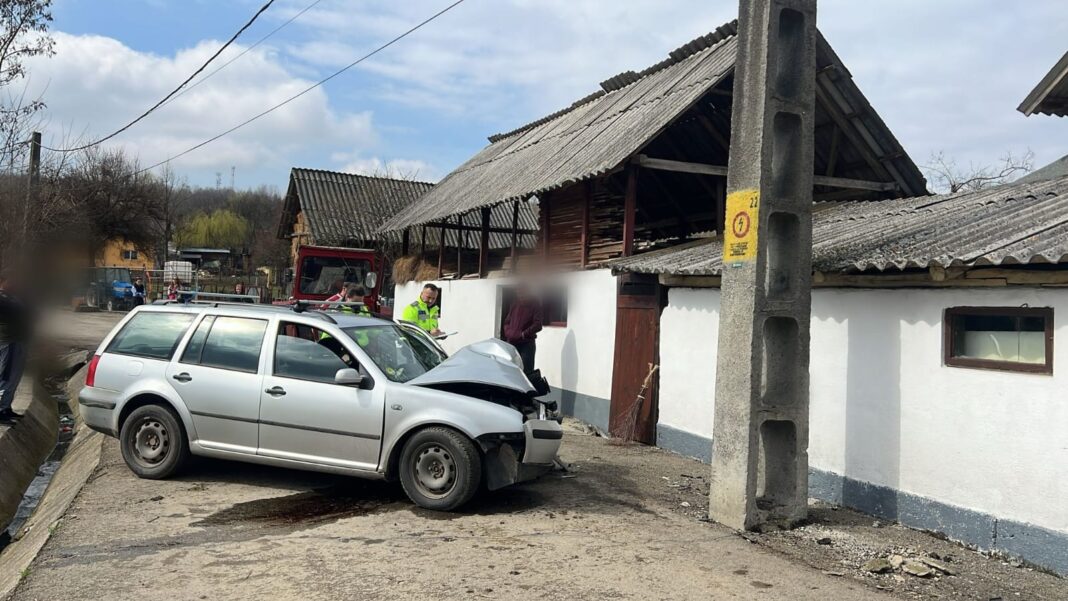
(99,84)
(944,75)
(399,168)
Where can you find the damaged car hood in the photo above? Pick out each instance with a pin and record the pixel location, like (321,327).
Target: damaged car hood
(491,362)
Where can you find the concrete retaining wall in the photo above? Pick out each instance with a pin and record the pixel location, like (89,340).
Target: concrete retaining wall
(25,446)
(81,460)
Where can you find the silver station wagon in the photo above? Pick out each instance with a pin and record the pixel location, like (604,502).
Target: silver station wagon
(324,391)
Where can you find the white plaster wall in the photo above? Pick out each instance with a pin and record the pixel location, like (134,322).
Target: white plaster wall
(577,358)
(689,335)
(885,410)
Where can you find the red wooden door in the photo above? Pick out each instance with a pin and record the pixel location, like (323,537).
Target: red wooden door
(633,412)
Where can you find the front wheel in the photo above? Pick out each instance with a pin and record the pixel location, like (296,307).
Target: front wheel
(153,443)
(440,469)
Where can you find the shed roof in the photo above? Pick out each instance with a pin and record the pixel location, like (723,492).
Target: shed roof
(1058,168)
(342,208)
(599,132)
(1050,96)
(1017,223)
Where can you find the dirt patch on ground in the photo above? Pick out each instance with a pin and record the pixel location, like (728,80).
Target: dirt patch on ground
(839,542)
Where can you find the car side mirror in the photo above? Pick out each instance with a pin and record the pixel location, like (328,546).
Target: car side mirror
(370,280)
(348,377)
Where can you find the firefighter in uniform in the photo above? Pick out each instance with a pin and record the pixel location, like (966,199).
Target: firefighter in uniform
(425,312)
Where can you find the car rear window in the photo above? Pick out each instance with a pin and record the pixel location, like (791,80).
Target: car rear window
(154,335)
(233,343)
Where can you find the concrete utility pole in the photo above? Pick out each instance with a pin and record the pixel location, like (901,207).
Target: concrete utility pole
(35,158)
(760,440)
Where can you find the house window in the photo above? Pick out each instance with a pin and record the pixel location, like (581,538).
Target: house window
(1006,338)
(554,306)
(129,255)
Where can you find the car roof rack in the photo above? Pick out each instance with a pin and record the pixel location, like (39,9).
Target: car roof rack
(254,306)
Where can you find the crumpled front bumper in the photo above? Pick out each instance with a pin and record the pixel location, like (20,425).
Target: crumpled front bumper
(518,457)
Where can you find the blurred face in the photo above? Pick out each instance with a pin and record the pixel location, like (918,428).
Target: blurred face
(429,295)
(239,288)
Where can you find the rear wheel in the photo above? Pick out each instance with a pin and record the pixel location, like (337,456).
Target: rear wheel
(153,443)
(440,469)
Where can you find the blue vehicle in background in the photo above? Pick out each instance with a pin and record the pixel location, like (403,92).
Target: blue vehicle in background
(110,288)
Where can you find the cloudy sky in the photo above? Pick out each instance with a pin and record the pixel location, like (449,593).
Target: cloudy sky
(945,75)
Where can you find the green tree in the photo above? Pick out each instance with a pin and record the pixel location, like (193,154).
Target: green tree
(220,229)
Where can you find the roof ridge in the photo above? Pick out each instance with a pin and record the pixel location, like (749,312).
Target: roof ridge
(294,170)
(627,78)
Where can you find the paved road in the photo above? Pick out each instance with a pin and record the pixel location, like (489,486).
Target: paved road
(235,531)
(79,330)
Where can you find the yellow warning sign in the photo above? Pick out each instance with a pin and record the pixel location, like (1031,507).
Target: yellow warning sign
(743,214)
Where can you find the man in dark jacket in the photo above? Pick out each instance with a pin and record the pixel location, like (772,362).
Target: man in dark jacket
(14,341)
(522,325)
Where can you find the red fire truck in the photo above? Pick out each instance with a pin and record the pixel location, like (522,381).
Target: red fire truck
(320,270)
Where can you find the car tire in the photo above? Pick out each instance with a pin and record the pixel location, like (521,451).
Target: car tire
(440,469)
(153,442)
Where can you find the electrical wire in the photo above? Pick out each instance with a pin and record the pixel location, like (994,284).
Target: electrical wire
(306,90)
(244,52)
(173,92)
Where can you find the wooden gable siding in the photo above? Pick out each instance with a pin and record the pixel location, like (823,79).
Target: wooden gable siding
(566,213)
(606,225)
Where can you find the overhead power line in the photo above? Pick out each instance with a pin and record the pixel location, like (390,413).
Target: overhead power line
(308,89)
(244,52)
(173,92)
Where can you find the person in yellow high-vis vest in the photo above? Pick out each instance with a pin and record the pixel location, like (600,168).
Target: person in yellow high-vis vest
(425,312)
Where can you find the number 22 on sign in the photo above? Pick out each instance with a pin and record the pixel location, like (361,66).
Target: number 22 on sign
(740,239)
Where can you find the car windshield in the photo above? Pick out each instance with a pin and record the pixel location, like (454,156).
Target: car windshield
(400,354)
(321,275)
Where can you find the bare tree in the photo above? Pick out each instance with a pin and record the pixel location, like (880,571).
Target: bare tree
(23,34)
(173,194)
(946,176)
(110,197)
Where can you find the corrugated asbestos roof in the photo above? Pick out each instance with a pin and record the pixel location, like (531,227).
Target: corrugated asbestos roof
(343,208)
(587,139)
(1058,168)
(1050,96)
(599,132)
(1017,223)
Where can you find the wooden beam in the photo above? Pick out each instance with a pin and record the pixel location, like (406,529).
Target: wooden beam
(422,244)
(853,184)
(476,228)
(461,242)
(405,240)
(483,243)
(546,220)
(515,230)
(720,171)
(587,199)
(630,207)
(689,281)
(441,252)
(832,155)
(829,105)
(680,166)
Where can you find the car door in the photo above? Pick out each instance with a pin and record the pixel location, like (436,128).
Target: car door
(219,378)
(304,415)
